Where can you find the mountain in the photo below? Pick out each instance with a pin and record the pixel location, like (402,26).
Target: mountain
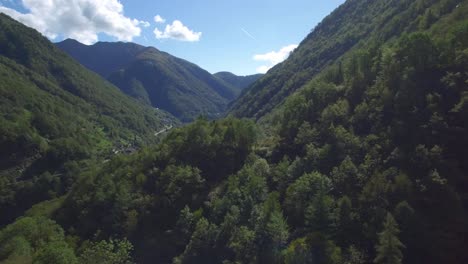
(156,78)
(55,114)
(355,24)
(103,58)
(240,82)
(366,162)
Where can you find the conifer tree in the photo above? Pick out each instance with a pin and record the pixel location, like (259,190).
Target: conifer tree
(388,249)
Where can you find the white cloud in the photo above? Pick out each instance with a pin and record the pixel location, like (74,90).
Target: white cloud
(177,31)
(82,20)
(274,57)
(142,23)
(159,19)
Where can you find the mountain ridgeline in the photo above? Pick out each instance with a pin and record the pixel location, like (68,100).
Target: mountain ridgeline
(159,79)
(104,58)
(359,155)
(240,82)
(355,24)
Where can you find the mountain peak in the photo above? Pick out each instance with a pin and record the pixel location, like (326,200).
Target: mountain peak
(71,41)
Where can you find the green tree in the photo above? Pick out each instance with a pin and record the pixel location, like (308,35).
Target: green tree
(113,251)
(345,222)
(354,256)
(185,223)
(389,247)
(309,189)
(35,238)
(273,230)
(242,243)
(56,253)
(201,246)
(318,215)
(345,178)
(297,252)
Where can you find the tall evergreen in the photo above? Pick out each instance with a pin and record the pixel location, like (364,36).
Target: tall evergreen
(389,247)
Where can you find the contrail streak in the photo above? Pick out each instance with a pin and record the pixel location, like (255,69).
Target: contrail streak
(248,34)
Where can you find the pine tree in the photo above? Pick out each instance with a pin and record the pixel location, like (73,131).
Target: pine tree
(388,249)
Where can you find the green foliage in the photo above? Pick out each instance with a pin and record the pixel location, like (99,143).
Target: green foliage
(242,243)
(297,252)
(273,230)
(308,196)
(37,240)
(200,247)
(107,252)
(389,247)
(56,253)
(381,129)
(165,185)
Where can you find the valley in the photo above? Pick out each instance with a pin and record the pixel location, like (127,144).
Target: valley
(159,79)
(351,150)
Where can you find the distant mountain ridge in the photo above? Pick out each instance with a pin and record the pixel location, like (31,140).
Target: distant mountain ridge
(101,57)
(240,82)
(157,78)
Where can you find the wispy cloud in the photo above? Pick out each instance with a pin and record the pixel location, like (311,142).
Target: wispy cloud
(142,23)
(248,34)
(274,57)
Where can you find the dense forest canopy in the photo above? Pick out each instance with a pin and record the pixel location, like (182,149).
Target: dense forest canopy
(360,157)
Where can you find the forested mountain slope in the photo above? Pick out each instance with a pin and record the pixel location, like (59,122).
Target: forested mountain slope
(365,163)
(156,78)
(355,24)
(103,58)
(240,82)
(55,113)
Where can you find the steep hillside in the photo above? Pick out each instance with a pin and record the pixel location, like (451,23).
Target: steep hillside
(364,163)
(354,24)
(372,149)
(156,78)
(55,113)
(240,82)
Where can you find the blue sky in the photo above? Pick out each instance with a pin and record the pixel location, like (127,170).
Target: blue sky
(241,36)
